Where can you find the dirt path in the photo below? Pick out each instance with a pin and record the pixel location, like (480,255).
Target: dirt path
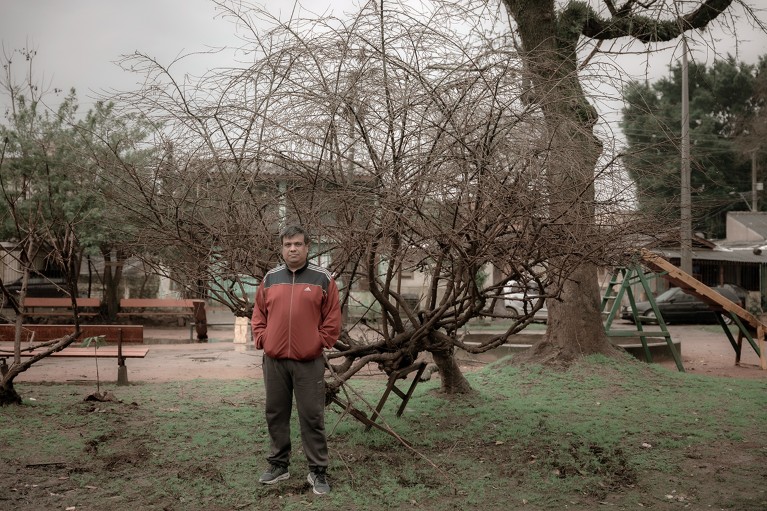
(172,357)
(706,350)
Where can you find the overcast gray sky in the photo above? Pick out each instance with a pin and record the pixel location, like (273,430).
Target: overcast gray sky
(78,41)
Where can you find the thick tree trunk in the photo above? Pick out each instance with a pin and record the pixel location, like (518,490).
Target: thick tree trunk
(549,40)
(575,323)
(453,380)
(8,395)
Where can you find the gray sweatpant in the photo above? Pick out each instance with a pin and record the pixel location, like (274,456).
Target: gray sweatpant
(283,379)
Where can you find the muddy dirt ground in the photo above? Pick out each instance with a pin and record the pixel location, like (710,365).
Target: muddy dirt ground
(174,357)
(726,474)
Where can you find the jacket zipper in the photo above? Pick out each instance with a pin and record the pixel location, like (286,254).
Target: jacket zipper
(290,314)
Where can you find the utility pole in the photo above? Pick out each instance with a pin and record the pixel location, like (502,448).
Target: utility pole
(754,184)
(685,231)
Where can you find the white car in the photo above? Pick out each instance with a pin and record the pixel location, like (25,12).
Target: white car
(520,300)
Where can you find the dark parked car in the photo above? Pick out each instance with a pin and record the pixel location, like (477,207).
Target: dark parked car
(741,293)
(676,306)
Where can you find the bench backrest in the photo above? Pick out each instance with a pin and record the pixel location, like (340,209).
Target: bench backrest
(60,302)
(42,333)
(156,302)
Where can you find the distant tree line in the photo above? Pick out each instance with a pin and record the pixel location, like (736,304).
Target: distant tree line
(727,136)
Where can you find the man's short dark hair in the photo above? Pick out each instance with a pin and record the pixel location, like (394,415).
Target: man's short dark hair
(294,230)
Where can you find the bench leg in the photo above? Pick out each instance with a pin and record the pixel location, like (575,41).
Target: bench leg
(122,371)
(200,321)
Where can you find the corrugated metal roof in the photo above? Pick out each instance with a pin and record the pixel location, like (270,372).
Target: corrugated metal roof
(737,256)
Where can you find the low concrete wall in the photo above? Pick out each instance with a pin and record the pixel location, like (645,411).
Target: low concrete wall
(520,342)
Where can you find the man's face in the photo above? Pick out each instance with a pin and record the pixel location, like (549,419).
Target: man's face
(295,251)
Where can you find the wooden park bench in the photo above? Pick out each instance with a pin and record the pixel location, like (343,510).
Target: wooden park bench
(119,352)
(159,307)
(80,352)
(183,309)
(41,307)
(114,335)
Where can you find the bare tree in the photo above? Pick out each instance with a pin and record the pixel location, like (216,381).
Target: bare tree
(413,142)
(412,145)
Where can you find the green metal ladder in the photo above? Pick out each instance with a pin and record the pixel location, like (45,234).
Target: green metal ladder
(623,278)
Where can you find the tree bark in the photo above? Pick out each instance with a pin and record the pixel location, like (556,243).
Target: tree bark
(112,277)
(549,39)
(453,380)
(574,321)
(8,395)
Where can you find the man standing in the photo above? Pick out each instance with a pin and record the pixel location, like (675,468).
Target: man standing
(297,315)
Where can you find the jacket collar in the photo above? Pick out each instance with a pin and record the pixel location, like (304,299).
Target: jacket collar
(300,270)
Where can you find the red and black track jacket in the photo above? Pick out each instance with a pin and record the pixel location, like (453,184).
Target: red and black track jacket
(297,314)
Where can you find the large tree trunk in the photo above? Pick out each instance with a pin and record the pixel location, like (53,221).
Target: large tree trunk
(549,40)
(575,323)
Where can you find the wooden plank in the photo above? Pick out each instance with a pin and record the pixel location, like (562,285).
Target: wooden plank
(60,313)
(155,302)
(716,301)
(635,333)
(697,288)
(60,302)
(155,313)
(131,334)
(78,352)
